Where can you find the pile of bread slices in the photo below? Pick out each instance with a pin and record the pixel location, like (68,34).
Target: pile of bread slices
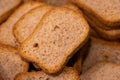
(59,40)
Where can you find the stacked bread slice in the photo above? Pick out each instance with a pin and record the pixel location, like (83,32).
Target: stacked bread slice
(103,16)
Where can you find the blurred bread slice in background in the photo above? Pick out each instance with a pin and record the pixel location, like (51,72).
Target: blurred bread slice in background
(7,7)
(11,63)
(6,28)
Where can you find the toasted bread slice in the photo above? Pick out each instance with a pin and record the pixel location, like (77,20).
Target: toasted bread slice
(6,29)
(101,50)
(67,74)
(7,7)
(26,25)
(11,63)
(106,11)
(55,40)
(102,71)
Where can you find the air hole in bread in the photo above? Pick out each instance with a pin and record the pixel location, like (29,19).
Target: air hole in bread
(106,57)
(47,79)
(45,51)
(67,37)
(36,45)
(53,42)
(40,77)
(56,27)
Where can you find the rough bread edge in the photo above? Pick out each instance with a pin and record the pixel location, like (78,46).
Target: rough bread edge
(15,30)
(76,47)
(110,23)
(18,76)
(10,48)
(9,12)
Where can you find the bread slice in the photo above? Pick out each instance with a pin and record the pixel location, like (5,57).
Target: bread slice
(102,71)
(111,34)
(11,63)
(6,29)
(106,11)
(7,7)
(67,74)
(55,40)
(101,50)
(26,25)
